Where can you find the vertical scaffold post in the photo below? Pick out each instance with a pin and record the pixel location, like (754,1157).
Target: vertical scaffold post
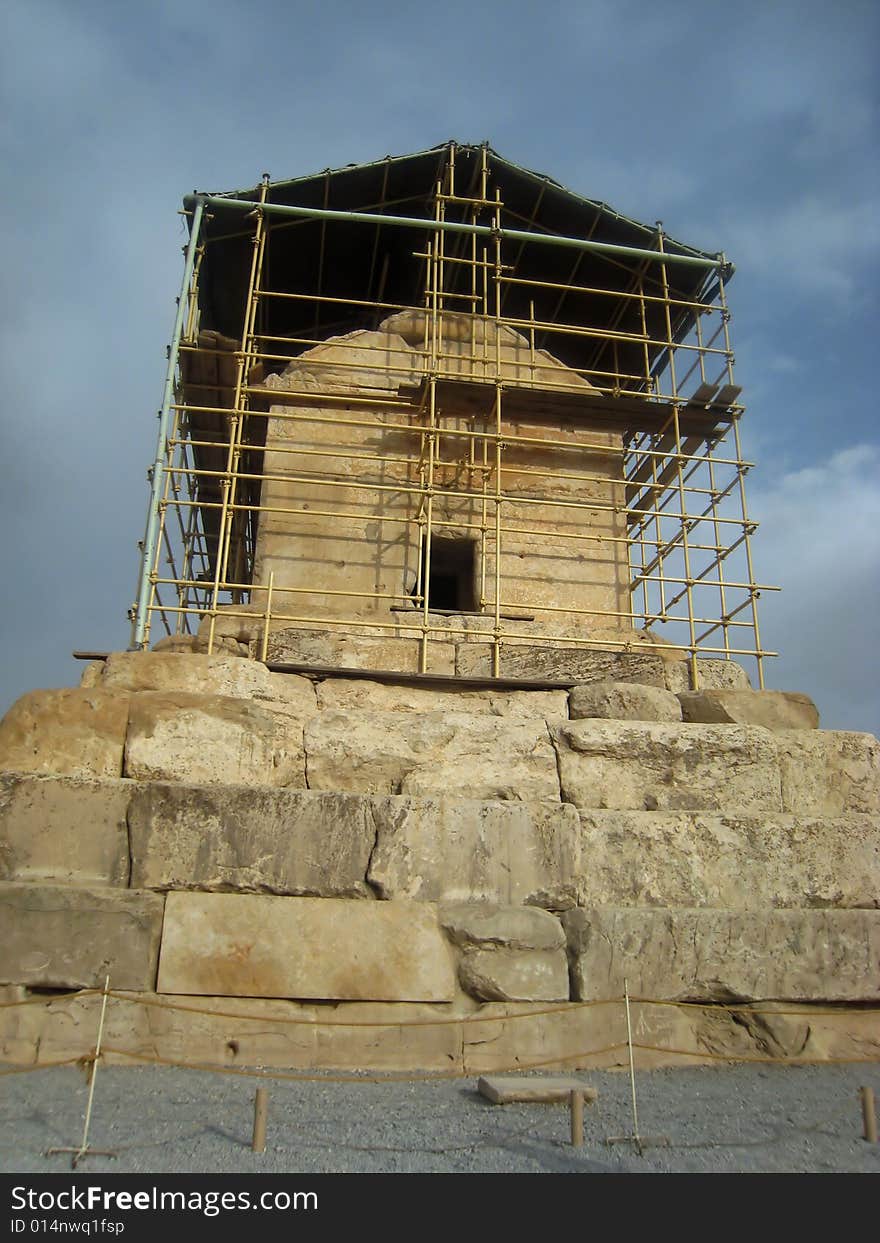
(140,623)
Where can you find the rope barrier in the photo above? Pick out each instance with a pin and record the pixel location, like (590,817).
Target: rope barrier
(423,1077)
(739,1057)
(428,1076)
(460,1071)
(441,1021)
(567,1007)
(752,1008)
(26,1070)
(48,1000)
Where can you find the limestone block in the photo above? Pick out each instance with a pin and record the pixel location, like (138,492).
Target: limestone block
(713,675)
(229,676)
(476,756)
(564,1039)
(238,838)
(91,675)
(474,660)
(20,1028)
(245,1031)
(345,694)
(514,975)
(544,1089)
(62,936)
(509,927)
(721,955)
(393,1036)
(252,945)
(210,738)
(646,766)
(288,693)
(193,644)
(67,829)
(236,623)
(74,733)
(181,672)
(623,701)
(339,650)
(744,863)
(775,710)
(802,1031)
(484,1038)
(460,850)
(829,772)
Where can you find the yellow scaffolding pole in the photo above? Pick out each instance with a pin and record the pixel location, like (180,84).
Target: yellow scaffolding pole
(657,505)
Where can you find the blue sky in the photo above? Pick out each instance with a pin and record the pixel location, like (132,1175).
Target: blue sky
(746,127)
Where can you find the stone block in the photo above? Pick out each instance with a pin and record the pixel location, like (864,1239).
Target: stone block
(195,644)
(67,829)
(473,755)
(253,945)
(238,838)
(623,701)
(712,675)
(829,772)
(507,927)
(341,650)
(91,675)
(541,1089)
(227,676)
(243,1031)
(406,1036)
(559,664)
(725,956)
(204,739)
(507,1036)
(188,673)
(514,975)
(739,862)
(62,936)
(461,850)
(74,733)
(347,694)
(396,1036)
(774,710)
(20,1028)
(647,766)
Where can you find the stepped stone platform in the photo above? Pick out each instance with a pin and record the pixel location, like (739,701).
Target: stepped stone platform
(314,869)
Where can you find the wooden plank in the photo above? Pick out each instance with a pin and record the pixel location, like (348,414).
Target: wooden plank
(450,680)
(702,394)
(727,396)
(643,497)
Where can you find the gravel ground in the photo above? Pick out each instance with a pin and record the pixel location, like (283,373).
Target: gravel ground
(741,1119)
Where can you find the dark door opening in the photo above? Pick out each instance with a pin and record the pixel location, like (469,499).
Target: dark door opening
(452,576)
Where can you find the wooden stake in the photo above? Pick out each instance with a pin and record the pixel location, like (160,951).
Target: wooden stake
(639,1142)
(576,1102)
(261,1109)
(869,1115)
(84,1150)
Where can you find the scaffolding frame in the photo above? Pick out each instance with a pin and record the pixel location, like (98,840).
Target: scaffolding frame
(679,463)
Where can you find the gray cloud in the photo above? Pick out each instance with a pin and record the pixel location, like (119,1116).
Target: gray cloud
(749,128)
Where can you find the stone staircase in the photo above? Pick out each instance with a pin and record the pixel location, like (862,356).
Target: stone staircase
(324,871)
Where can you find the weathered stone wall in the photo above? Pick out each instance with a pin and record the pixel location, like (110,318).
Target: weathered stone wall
(363,564)
(199,826)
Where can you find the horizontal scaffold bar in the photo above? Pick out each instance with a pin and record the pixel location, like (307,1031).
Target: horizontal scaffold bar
(454,226)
